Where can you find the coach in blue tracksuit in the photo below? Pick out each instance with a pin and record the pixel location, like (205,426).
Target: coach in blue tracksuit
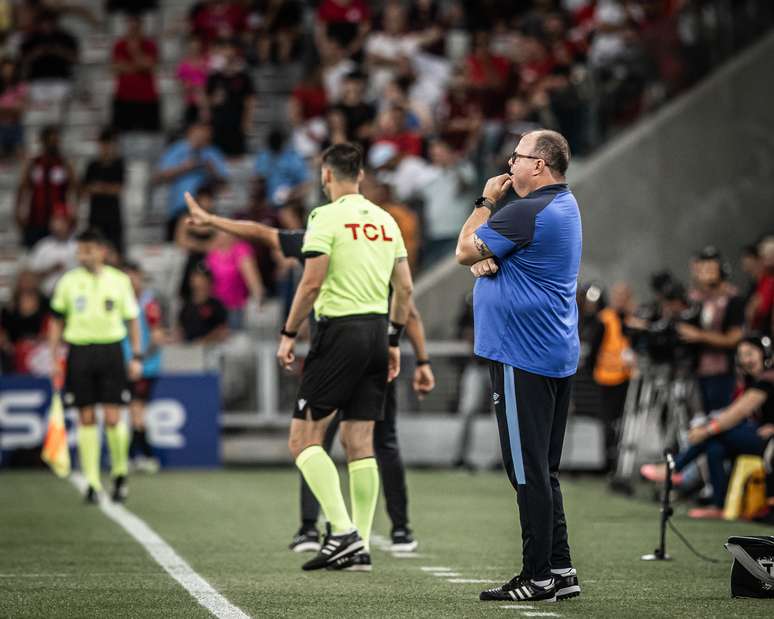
(526,256)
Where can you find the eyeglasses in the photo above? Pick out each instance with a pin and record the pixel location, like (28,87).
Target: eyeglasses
(516,156)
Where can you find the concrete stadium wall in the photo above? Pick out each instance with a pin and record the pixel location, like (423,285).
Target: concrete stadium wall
(699,171)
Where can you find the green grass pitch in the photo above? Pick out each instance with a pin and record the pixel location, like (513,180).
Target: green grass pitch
(60,558)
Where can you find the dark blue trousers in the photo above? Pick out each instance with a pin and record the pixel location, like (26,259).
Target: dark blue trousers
(532,415)
(740,440)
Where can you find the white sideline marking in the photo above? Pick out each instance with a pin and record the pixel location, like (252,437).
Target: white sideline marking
(541,614)
(426,568)
(165,556)
(408,555)
(466,581)
(446,574)
(516,607)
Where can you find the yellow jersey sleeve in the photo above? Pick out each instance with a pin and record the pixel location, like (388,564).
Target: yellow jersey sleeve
(59,302)
(320,231)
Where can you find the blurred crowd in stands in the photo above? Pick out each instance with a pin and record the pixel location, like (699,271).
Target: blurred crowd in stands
(710,335)
(437,93)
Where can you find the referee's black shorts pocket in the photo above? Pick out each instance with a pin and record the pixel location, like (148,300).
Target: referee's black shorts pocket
(316,342)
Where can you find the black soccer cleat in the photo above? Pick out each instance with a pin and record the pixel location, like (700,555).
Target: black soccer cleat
(360,562)
(335,547)
(120,489)
(520,589)
(306,540)
(567,585)
(91,497)
(403,540)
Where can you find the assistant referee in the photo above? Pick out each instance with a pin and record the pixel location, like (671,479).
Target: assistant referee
(90,307)
(354,251)
(527,256)
(290,244)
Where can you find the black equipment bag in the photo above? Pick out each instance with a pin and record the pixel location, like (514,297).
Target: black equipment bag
(752,574)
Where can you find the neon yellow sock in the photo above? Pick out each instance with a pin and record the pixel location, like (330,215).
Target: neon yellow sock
(364,492)
(88,454)
(320,473)
(118,445)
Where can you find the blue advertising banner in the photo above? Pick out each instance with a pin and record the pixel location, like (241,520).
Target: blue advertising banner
(182,420)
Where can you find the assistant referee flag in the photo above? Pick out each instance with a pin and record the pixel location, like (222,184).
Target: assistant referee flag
(56,452)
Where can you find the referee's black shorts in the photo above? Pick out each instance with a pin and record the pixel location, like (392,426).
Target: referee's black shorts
(346,369)
(95,374)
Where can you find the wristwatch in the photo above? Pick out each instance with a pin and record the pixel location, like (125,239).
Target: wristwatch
(286,333)
(482,201)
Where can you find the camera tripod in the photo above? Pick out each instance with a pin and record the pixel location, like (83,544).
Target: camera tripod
(660,391)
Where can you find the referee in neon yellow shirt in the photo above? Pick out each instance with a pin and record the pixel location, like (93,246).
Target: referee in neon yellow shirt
(354,252)
(92,304)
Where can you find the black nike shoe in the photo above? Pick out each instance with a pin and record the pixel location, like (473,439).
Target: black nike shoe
(360,562)
(120,489)
(335,547)
(91,497)
(567,585)
(520,589)
(306,540)
(403,540)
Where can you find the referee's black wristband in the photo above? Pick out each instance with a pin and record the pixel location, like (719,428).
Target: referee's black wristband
(138,357)
(422,362)
(394,333)
(286,333)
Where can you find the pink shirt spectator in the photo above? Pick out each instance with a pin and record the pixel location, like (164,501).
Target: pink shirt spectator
(193,75)
(228,285)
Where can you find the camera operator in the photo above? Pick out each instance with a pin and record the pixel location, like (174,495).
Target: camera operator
(719,330)
(653,328)
(660,283)
(610,357)
(744,427)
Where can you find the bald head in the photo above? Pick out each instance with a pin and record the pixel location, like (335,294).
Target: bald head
(552,147)
(541,158)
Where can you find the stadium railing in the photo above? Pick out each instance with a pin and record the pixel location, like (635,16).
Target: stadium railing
(258,398)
